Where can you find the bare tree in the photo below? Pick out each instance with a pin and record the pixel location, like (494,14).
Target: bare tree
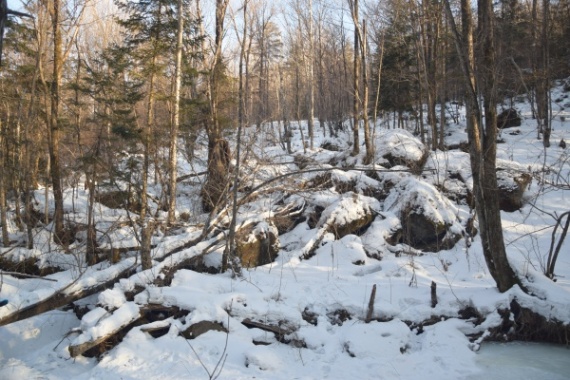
(354,10)
(231,242)
(482,137)
(361,50)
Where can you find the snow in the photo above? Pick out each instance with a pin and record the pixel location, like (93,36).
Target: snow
(399,143)
(320,302)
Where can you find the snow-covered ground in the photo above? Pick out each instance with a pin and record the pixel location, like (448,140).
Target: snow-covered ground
(321,300)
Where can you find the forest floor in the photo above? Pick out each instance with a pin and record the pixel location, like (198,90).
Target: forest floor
(330,304)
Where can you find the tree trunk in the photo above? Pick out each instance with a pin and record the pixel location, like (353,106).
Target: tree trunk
(147,230)
(544,100)
(55,132)
(91,244)
(369,158)
(484,174)
(311,79)
(380,48)
(173,162)
(3,208)
(356,81)
(535,69)
(231,245)
(442,90)
(147,138)
(218,148)
(482,139)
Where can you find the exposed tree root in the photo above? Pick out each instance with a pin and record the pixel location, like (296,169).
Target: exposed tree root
(520,323)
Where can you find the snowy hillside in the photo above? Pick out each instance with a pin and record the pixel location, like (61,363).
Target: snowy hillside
(328,238)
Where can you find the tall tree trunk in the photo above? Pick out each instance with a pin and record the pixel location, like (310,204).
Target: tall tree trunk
(261,80)
(55,132)
(369,158)
(147,138)
(3,178)
(31,154)
(482,139)
(231,246)
(544,96)
(536,52)
(356,80)
(173,162)
(380,48)
(287,133)
(311,79)
(428,50)
(485,173)
(442,85)
(218,148)
(91,244)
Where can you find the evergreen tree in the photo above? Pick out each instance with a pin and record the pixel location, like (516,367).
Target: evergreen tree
(398,61)
(151,39)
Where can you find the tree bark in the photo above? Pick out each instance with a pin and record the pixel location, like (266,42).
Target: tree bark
(147,230)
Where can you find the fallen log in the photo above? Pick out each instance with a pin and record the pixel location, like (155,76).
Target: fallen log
(24,275)
(157,329)
(156,326)
(279,332)
(123,317)
(168,272)
(61,298)
(110,330)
